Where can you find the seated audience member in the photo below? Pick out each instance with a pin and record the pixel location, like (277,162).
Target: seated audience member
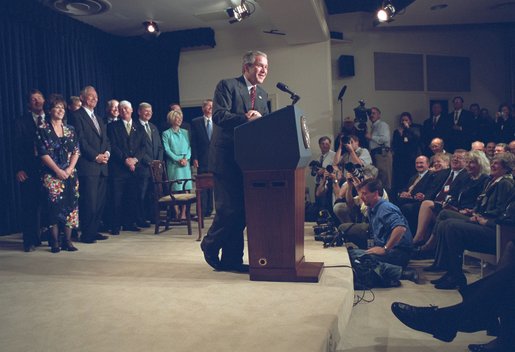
(487,303)
(389,231)
(490,150)
(418,184)
(500,148)
(505,124)
(440,187)
(437,146)
(478,168)
(439,162)
(352,213)
(477,145)
(511,147)
(473,230)
(406,148)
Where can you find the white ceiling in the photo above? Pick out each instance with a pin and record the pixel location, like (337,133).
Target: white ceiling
(301,20)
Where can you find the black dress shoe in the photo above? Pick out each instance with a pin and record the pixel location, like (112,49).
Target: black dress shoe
(452,283)
(55,249)
(101,237)
(237,268)
(440,280)
(433,269)
(144,224)
(29,248)
(68,246)
(88,240)
(410,274)
(211,256)
(425,319)
(131,228)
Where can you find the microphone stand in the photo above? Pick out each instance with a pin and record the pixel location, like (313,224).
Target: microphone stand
(294,99)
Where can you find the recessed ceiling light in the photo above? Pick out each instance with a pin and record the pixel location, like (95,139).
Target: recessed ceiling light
(438,7)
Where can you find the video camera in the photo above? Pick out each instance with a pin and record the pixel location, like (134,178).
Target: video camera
(315,165)
(361,114)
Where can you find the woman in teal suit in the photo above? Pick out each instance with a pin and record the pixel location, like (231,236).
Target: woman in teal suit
(178,153)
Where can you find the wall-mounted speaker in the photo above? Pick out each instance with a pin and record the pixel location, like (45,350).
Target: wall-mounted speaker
(346,66)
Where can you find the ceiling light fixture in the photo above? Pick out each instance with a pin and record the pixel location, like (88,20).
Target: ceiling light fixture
(151,27)
(386,12)
(241,12)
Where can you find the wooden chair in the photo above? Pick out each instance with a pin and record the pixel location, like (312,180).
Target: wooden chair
(504,234)
(165,199)
(202,182)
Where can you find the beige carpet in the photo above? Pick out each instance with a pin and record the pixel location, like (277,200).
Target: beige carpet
(142,292)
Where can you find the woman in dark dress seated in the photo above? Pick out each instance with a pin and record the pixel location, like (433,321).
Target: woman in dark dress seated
(58,148)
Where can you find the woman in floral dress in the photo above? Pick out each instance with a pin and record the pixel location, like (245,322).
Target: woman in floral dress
(58,148)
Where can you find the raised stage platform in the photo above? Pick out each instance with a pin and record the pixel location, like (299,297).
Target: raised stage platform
(146,292)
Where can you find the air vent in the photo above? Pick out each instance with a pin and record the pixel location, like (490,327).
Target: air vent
(79,7)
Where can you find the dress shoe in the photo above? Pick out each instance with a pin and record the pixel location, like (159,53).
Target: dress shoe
(55,249)
(132,228)
(29,248)
(144,224)
(452,282)
(433,269)
(425,319)
(419,254)
(410,274)
(68,246)
(237,268)
(210,255)
(101,237)
(492,346)
(440,280)
(88,240)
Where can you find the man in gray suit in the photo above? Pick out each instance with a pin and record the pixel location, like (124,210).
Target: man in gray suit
(236,101)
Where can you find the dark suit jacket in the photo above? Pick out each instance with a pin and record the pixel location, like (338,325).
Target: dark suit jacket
(422,186)
(153,147)
(439,180)
(230,103)
(24,150)
(440,130)
(91,143)
(200,143)
(460,139)
(124,146)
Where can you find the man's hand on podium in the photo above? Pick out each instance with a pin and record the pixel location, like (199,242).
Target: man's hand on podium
(252,115)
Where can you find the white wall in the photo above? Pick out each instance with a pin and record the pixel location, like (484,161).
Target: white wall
(483,47)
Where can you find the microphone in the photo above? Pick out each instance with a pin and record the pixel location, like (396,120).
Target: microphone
(283,87)
(342,92)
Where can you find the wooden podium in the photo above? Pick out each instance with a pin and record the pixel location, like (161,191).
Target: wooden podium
(272,152)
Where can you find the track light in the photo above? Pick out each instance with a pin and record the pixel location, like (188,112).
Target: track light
(151,27)
(386,12)
(239,13)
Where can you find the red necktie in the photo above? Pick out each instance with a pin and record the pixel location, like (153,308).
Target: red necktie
(252,97)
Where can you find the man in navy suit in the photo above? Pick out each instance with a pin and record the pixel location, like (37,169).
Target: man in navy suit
(462,123)
(92,165)
(27,169)
(236,101)
(437,125)
(201,133)
(128,149)
(153,151)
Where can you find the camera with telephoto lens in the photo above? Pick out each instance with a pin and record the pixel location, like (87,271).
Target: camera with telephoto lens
(326,230)
(361,114)
(356,170)
(345,140)
(315,166)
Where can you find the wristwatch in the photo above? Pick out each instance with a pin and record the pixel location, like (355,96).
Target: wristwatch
(385,248)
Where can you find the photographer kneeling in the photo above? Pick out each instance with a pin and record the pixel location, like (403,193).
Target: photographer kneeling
(390,236)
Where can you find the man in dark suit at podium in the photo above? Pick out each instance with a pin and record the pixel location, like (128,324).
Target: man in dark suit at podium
(201,134)
(236,101)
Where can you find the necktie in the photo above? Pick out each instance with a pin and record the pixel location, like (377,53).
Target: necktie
(435,121)
(410,189)
(128,128)
(95,122)
(456,117)
(440,197)
(252,96)
(322,157)
(147,129)
(40,121)
(209,129)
